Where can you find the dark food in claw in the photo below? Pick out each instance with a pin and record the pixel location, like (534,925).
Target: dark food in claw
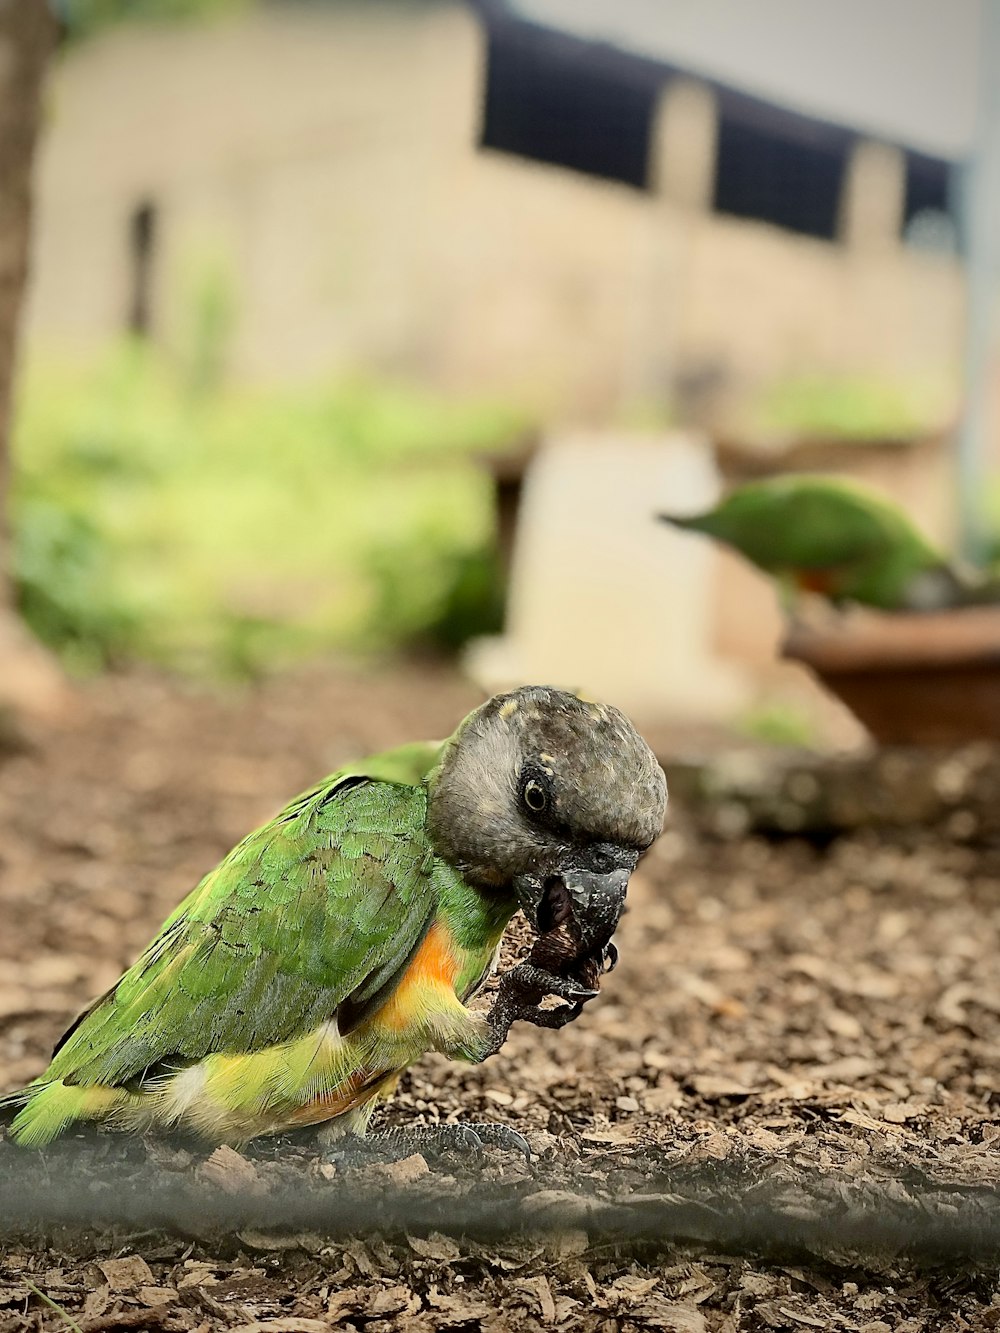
(561,947)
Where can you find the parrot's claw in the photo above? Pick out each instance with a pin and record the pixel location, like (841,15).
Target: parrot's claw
(431,1140)
(502,1136)
(529,985)
(610,956)
(520,994)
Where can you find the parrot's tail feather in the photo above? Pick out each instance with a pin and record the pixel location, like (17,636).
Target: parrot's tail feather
(48,1108)
(10,1104)
(693,521)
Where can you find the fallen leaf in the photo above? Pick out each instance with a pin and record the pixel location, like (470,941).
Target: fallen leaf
(127,1274)
(157,1295)
(351,1298)
(539,1286)
(286,1326)
(435,1246)
(403,1172)
(631,1288)
(714,1087)
(198,1274)
(298,1240)
(230,1172)
(810,1320)
(613,1135)
(390,1301)
(897,1113)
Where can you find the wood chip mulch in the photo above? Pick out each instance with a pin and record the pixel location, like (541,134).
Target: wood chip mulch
(781,1113)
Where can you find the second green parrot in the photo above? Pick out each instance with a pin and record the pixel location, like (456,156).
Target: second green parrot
(827,535)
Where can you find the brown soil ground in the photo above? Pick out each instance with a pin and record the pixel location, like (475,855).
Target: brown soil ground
(791,1018)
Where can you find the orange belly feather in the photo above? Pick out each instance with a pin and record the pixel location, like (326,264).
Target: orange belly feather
(359,1089)
(434,967)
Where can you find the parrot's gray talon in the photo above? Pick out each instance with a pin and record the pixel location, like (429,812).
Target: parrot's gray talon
(610,956)
(502,1136)
(529,985)
(520,995)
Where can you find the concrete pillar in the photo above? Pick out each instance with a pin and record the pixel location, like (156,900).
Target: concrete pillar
(681,182)
(683,148)
(603,597)
(871,207)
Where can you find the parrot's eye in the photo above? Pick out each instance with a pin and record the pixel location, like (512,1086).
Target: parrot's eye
(534,796)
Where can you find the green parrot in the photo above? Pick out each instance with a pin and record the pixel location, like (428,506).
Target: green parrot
(341,941)
(827,535)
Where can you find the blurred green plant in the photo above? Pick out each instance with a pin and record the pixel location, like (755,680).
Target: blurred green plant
(234,531)
(210,307)
(991,519)
(778,722)
(437,603)
(60,566)
(851,407)
(83,17)
(647,415)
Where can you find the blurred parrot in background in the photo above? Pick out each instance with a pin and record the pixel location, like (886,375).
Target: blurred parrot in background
(340,942)
(827,535)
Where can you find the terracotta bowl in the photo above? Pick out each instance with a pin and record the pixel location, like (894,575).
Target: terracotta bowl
(931,679)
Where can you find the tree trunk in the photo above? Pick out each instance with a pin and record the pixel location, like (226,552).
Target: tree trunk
(28,678)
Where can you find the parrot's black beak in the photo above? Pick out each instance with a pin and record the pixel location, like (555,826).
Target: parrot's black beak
(598,902)
(530,891)
(593,899)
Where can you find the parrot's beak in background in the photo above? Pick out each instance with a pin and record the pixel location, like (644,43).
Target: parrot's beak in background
(595,901)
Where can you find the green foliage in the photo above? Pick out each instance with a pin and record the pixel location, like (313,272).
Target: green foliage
(850,408)
(439,602)
(60,570)
(229,532)
(83,17)
(992,525)
(777,722)
(211,312)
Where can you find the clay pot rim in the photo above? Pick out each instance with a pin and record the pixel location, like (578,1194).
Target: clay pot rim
(925,642)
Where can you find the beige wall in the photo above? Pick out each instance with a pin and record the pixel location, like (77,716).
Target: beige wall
(330,154)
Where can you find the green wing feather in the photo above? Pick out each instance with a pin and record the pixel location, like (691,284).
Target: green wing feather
(320,908)
(408,764)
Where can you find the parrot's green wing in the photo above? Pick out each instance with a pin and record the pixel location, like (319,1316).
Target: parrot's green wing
(317,912)
(809,522)
(408,764)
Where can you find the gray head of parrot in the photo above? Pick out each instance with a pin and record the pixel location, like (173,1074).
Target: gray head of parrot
(539,786)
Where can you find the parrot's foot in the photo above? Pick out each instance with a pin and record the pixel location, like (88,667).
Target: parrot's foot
(520,995)
(394,1144)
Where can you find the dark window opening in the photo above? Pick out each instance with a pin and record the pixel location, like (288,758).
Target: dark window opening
(790,172)
(560,100)
(928,185)
(928,209)
(142,246)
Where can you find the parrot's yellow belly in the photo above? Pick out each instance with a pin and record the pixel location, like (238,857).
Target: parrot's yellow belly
(321,1076)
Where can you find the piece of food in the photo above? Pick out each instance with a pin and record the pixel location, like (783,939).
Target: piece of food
(580,950)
